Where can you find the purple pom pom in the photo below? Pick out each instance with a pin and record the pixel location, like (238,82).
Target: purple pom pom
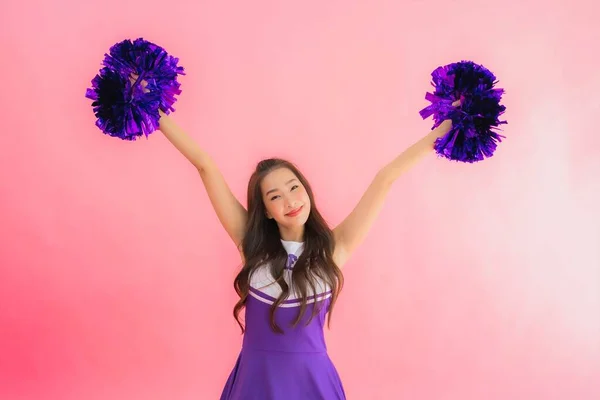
(472,137)
(122,110)
(152,64)
(125,109)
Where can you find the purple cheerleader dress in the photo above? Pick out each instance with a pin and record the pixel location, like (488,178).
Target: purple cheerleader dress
(289,366)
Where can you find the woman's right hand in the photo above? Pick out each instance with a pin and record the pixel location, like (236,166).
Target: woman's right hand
(143,84)
(133,78)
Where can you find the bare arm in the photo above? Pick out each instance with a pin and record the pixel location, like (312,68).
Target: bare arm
(353,229)
(230,212)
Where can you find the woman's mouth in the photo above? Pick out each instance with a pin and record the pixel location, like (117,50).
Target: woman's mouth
(295,212)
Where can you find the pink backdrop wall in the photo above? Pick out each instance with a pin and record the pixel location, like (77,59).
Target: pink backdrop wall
(477,282)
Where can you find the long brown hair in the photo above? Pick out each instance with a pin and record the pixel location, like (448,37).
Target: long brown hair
(262,244)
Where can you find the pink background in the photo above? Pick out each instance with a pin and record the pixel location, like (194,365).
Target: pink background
(477,281)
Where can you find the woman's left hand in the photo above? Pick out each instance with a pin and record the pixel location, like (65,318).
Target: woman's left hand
(446,125)
(443,128)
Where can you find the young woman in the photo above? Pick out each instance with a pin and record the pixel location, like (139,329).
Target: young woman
(291,274)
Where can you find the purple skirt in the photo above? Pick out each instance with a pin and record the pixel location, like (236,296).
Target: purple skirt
(289,366)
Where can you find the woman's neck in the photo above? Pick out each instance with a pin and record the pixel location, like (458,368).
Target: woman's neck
(289,235)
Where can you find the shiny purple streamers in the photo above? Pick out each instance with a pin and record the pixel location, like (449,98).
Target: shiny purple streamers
(152,64)
(472,137)
(124,109)
(121,109)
